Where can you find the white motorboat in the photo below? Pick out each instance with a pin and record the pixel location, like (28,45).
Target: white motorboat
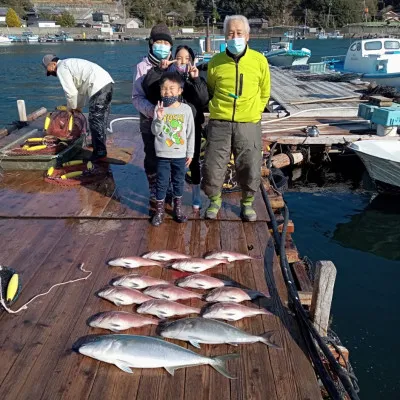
(377,59)
(322,35)
(382,161)
(4,40)
(30,37)
(335,35)
(281,54)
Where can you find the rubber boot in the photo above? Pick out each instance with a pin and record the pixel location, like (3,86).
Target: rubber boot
(152,179)
(178,211)
(247,212)
(158,217)
(196,198)
(215,205)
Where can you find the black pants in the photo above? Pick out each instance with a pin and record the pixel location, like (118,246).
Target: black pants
(195,164)
(99,109)
(150,158)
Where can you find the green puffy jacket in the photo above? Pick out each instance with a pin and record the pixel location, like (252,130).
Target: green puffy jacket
(239,90)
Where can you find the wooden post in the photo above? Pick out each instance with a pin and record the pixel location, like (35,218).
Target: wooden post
(22,110)
(325,275)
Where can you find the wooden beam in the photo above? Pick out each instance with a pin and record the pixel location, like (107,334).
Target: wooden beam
(291,250)
(289,229)
(325,275)
(305,298)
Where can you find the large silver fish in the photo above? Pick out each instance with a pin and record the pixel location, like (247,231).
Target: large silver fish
(227,255)
(200,281)
(234,294)
(171,292)
(165,255)
(122,296)
(210,331)
(117,321)
(137,281)
(166,308)
(196,264)
(133,262)
(132,351)
(231,311)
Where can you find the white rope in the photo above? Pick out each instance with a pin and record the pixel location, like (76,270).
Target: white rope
(25,306)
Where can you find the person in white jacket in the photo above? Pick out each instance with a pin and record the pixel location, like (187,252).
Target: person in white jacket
(82,80)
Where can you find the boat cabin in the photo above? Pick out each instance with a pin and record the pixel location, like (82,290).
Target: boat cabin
(374,56)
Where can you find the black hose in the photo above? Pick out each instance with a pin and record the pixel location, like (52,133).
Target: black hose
(305,324)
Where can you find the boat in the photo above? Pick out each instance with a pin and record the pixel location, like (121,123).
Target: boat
(217,44)
(376,59)
(382,161)
(30,37)
(335,35)
(322,35)
(4,40)
(281,54)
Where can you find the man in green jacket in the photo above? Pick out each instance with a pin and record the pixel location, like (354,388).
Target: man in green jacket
(239,84)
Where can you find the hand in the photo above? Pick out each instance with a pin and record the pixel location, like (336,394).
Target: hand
(160,110)
(188,162)
(193,71)
(164,64)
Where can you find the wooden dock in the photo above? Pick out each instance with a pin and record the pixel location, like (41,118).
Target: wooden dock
(47,230)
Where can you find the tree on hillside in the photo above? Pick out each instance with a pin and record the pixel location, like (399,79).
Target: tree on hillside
(66,20)
(12,19)
(19,6)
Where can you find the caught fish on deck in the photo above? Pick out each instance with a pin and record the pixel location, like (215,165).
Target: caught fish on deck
(137,281)
(200,281)
(117,321)
(210,331)
(164,255)
(196,264)
(166,308)
(228,255)
(230,311)
(122,296)
(133,262)
(171,292)
(233,294)
(132,351)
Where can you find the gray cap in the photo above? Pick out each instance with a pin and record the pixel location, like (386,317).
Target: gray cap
(47,59)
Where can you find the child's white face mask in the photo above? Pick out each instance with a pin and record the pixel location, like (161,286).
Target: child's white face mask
(161,51)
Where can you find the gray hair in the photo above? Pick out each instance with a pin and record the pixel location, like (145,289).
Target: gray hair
(241,18)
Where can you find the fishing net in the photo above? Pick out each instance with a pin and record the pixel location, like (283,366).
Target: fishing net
(329,77)
(62,128)
(81,174)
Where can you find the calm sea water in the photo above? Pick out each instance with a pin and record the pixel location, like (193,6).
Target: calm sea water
(342,223)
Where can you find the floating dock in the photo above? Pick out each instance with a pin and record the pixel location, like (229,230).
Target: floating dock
(47,231)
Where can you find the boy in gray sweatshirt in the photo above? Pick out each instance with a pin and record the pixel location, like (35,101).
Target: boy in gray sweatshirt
(173,128)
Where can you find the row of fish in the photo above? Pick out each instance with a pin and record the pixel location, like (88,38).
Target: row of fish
(179,261)
(158,298)
(124,296)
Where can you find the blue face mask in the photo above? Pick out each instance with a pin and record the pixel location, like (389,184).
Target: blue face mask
(161,51)
(169,100)
(236,45)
